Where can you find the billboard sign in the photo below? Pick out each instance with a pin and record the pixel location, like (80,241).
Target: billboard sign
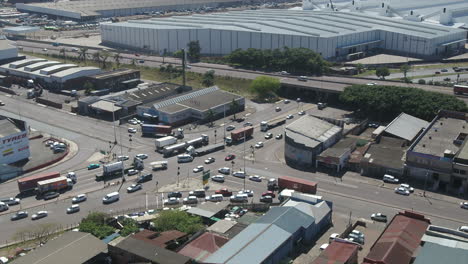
(14,147)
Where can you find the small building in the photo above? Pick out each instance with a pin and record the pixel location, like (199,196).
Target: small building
(168,239)
(405,127)
(387,157)
(306,138)
(203,246)
(116,80)
(399,241)
(336,157)
(339,252)
(131,250)
(210,212)
(72,247)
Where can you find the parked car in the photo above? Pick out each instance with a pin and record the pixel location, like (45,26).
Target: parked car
(286,101)
(190,200)
(230,157)
(51,195)
(279,136)
(266,199)
(214,198)
(239,174)
(249,193)
(79,198)
(19,215)
(324,246)
(217,178)
(407,187)
(132,130)
(269,193)
(246,124)
(277,109)
(230,128)
(39,215)
(259,145)
(401,190)
(174,194)
(239,198)
(379,217)
(224,192)
(2,103)
(141,156)
(172,201)
(132,122)
(132,172)
(144,178)
(463,229)
(255,178)
(390,179)
(122,158)
(332,237)
(268,135)
(198,169)
(464,205)
(289,117)
(134,188)
(224,170)
(210,160)
(200,193)
(73,209)
(93,166)
(301,113)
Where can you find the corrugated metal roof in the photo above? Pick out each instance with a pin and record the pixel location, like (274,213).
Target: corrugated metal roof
(337,253)
(432,253)
(406,126)
(289,219)
(311,131)
(203,246)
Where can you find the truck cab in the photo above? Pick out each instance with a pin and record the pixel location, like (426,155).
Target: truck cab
(264,126)
(179,133)
(72,176)
(228,140)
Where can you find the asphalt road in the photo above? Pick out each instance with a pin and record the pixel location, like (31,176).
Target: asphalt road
(357,195)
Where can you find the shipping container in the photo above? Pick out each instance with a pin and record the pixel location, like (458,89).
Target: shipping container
(164,141)
(29,183)
(239,134)
(155,130)
(54,184)
(300,185)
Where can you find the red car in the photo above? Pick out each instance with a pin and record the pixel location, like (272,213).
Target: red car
(269,193)
(225,192)
(230,157)
(136,54)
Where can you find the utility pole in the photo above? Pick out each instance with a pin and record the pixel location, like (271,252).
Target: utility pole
(425,181)
(184,61)
(245,173)
(224,127)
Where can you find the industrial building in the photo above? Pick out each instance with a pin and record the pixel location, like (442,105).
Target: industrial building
(8,52)
(306,138)
(92,9)
(14,141)
(334,35)
(405,127)
(335,158)
(117,80)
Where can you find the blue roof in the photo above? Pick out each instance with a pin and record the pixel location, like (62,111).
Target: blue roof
(432,253)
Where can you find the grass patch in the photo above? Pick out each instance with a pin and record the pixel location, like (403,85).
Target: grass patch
(438,66)
(431,75)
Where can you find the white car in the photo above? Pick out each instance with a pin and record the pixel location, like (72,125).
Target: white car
(407,187)
(217,178)
(133,188)
(301,113)
(277,109)
(259,145)
(122,158)
(224,170)
(172,201)
(44,49)
(240,198)
(79,198)
(286,101)
(402,191)
(463,229)
(214,198)
(323,246)
(132,122)
(190,200)
(333,236)
(198,169)
(132,172)
(464,205)
(289,117)
(249,193)
(255,178)
(371,84)
(39,215)
(73,209)
(141,156)
(132,130)
(268,135)
(210,160)
(239,174)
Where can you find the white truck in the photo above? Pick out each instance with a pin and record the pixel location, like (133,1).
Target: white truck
(164,141)
(110,170)
(159,165)
(266,125)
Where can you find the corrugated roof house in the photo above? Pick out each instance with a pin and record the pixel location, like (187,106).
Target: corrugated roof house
(338,252)
(203,246)
(406,127)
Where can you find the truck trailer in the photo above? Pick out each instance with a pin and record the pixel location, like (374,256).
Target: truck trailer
(300,185)
(54,185)
(111,170)
(266,125)
(240,134)
(159,165)
(209,149)
(182,147)
(164,141)
(29,184)
(155,130)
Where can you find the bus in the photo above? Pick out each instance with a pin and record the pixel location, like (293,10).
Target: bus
(460,89)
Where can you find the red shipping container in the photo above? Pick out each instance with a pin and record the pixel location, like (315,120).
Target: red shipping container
(300,185)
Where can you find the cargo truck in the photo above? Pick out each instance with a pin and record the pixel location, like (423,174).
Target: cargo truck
(29,184)
(265,125)
(155,130)
(54,185)
(159,165)
(171,150)
(209,149)
(164,141)
(239,135)
(300,185)
(111,170)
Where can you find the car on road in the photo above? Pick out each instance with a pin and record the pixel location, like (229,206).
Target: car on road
(172,201)
(407,187)
(200,193)
(210,160)
(463,229)
(437,72)
(198,169)
(224,170)
(279,136)
(371,84)
(269,193)
(266,199)
(132,130)
(390,179)
(224,192)
(122,158)
(44,49)
(379,217)
(51,195)
(145,177)
(239,174)
(444,70)
(174,194)
(74,49)
(259,145)
(301,113)
(246,124)
(11,201)
(230,157)
(230,128)
(268,135)
(249,193)
(136,54)
(402,191)
(289,117)
(190,200)
(214,198)
(73,209)
(302,78)
(239,198)
(217,178)
(134,188)
(39,215)
(464,205)
(2,103)
(79,198)
(19,215)
(93,166)
(142,156)
(277,109)
(131,172)
(255,178)
(284,73)
(286,101)
(141,61)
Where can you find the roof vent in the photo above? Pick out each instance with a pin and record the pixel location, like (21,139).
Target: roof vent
(436,130)
(383,5)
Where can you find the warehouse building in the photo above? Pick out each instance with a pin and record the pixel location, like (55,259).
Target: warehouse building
(405,127)
(92,9)
(341,35)
(306,138)
(117,80)
(8,52)
(336,157)
(14,141)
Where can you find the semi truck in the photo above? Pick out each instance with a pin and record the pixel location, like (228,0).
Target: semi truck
(209,149)
(111,170)
(54,184)
(239,135)
(265,125)
(29,184)
(164,141)
(182,147)
(300,185)
(199,141)
(155,130)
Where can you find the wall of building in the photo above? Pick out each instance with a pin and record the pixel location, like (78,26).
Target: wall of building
(14,147)
(298,155)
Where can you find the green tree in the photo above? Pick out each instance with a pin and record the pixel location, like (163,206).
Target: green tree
(104,56)
(264,86)
(117,58)
(88,87)
(360,67)
(178,54)
(382,72)
(177,220)
(208,78)
(130,226)
(194,50)
(405,69)
(422,81)
(234,107)
(83,53)
(96,224)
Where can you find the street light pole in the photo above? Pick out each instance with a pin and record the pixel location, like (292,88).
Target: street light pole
(245,173)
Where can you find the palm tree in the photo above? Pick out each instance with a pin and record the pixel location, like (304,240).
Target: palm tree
(82,53)
(117,58)
(104,56)
(234,107)
(97,57)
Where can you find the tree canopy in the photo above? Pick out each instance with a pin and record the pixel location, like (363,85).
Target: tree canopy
(208,78)
(386,102)
(194,50)
(264,86)
(296,60)
(96,224)
(177,220)
(382,72)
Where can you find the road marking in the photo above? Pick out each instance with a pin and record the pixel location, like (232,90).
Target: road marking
(70,113)
(41,105)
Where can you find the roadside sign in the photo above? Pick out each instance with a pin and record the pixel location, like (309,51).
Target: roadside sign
(206,176)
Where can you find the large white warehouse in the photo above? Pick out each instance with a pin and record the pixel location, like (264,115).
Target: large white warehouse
(332,34)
